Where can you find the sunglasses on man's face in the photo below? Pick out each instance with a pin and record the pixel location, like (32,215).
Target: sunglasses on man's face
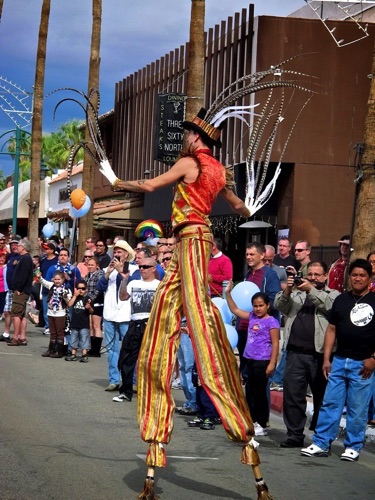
(80,288)
(145,267)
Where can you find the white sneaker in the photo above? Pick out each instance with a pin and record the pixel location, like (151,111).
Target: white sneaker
(121,398)
(176,384)
(259,430)
(350,455)
(46,331)
(314,451)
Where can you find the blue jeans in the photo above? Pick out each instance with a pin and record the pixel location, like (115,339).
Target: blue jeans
(80,338)
(185,355)
(45,310)
(278,376)
(344,384)
(113,334)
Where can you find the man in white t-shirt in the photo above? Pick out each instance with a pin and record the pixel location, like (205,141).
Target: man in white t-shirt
(141,295)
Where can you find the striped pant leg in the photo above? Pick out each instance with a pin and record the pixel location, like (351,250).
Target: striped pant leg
(216,363)
(157,359)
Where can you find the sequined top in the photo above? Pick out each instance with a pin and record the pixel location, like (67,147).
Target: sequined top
(193,202)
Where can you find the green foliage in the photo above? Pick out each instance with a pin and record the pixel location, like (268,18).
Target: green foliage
(55,148)
(57,145)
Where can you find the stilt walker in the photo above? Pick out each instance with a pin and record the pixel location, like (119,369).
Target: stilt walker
(199,178)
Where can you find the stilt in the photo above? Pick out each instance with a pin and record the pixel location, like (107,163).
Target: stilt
(148,488)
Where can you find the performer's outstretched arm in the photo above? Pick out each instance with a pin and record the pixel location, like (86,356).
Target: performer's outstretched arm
(185,168)
(236,204)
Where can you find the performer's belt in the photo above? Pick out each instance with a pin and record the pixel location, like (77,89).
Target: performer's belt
(199,231)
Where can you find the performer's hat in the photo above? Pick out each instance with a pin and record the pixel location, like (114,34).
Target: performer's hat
(125,246)
(209,133)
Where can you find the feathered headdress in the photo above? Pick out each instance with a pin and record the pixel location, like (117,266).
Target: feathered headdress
(263,125)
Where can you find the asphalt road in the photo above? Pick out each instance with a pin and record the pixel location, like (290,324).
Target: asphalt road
(62,437)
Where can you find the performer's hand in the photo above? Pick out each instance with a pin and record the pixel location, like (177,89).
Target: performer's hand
(106,170)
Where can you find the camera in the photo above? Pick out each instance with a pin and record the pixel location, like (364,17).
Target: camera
(298,278)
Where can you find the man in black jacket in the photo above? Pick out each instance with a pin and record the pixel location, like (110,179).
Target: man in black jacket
(21,286)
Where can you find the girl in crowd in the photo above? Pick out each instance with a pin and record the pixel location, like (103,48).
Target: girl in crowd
(57,299)
(3,281)
(97,301)
(261,351)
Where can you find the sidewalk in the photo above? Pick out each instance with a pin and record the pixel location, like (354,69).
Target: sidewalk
(276,404)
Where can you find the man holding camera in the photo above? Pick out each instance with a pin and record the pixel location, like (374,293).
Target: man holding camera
(116,313)
(305,304)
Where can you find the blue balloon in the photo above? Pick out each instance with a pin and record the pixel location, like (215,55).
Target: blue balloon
(243,293)
(227,314)
(222,305)
(80,212)
(232,335)
(48,229)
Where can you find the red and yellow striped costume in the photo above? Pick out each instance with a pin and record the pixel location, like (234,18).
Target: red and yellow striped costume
(184,291)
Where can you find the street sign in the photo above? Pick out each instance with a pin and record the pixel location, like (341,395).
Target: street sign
(170,113)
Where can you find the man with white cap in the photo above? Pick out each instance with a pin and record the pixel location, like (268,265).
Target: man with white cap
(116,313)
(337,271)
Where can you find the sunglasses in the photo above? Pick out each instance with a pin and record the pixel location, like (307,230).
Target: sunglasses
(87,256)
(80,288)
(145,267)
(300,249)
(166,259)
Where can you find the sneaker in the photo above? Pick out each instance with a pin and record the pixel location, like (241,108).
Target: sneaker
(207,425)
(112,388)
(259,430)
(275,387)
(350,455)
(291,443)
(176,384)
(72,357)
(46,331)
(196,422)
(314,451)
(121,398)
(84,359)
(186,410)
(5,337)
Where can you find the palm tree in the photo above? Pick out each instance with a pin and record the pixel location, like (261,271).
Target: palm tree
(36,127)
(93,83)
(1,8)
(363,235)
(195,80)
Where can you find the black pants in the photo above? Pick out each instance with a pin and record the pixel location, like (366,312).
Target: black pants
(302,370)
(128,357)
(256,389)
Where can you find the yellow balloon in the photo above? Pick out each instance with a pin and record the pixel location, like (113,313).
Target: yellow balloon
(78,198)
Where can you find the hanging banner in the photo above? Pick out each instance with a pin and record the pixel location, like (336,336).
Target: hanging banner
(170,113)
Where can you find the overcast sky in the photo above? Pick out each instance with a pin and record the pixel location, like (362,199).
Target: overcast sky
(134,34)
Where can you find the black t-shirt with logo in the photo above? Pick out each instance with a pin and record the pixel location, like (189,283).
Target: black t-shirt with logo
(80,315)
(354,319)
